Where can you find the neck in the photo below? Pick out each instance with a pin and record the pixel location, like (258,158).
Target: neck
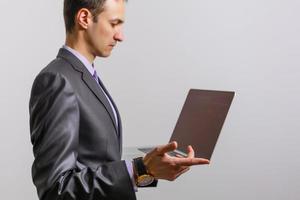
(76,42)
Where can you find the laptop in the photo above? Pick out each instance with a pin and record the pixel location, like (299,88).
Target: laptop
(200,122)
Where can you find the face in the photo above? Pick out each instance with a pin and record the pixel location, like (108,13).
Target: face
(106,32)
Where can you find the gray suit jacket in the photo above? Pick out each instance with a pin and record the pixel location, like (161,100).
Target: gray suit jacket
(76,142)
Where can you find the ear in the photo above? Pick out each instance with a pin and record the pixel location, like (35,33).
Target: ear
(83,18)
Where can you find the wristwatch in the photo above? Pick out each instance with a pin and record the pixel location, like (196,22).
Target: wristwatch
(142,177)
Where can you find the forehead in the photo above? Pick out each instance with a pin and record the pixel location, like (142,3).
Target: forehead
(114,9)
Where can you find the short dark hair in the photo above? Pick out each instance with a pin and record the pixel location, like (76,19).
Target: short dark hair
(71,7)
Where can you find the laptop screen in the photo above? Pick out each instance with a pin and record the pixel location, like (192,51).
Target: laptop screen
(201,120)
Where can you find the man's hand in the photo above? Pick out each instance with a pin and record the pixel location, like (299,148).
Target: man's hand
(163,166)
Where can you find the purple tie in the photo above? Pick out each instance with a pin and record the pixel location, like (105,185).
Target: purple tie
(95,76)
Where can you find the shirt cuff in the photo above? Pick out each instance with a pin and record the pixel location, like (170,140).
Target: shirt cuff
(130,172)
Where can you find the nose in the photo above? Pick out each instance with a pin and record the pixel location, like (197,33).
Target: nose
(119,36)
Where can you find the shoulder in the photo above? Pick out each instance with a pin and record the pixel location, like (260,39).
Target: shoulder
(53,78)
(58,66)
(58,70)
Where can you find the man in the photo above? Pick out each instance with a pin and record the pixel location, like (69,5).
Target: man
(75,125)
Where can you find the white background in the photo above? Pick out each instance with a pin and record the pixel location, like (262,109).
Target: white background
(251,47)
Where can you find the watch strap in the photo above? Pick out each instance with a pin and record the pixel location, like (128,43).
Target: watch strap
(140,166)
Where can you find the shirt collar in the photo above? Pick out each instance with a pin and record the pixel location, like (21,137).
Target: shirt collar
(85,62)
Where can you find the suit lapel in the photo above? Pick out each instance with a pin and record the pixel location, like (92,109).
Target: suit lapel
(118,115)
(89,81)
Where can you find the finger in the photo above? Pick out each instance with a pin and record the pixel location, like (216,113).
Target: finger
(179,155)
(191,153)
(190,161)
(166,148)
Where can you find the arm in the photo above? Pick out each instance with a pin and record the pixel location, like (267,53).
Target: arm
(56,171)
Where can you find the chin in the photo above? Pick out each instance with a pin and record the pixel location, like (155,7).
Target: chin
(104,54)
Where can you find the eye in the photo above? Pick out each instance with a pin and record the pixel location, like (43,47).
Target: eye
(114,24)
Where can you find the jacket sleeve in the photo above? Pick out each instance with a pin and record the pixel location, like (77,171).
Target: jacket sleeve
(54,127)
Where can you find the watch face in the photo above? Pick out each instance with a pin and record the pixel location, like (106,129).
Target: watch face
(145,180)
